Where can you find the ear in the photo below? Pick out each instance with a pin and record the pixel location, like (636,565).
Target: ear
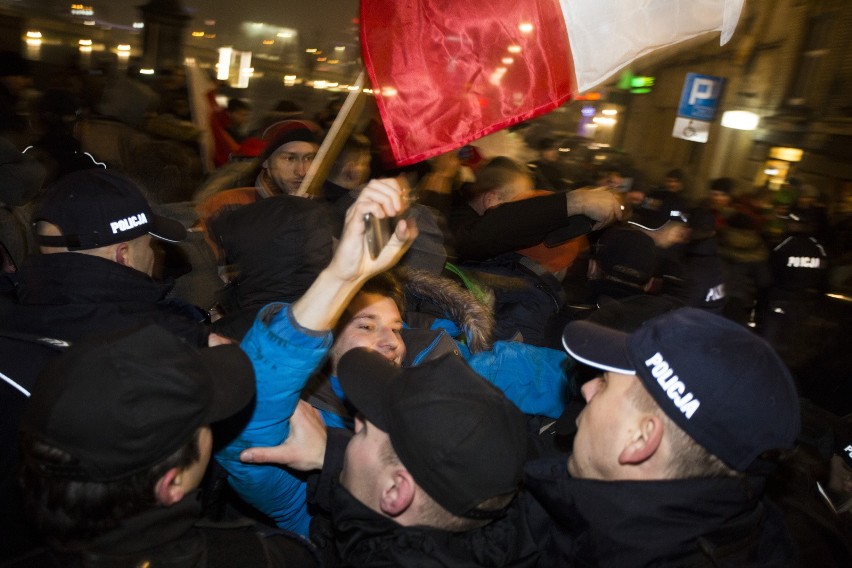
(646,440)
(168,488)
(121,254)
(398,497)
(846,483)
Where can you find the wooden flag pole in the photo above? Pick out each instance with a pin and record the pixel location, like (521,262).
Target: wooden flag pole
(333,142)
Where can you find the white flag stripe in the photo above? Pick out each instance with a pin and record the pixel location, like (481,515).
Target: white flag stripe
(607,35)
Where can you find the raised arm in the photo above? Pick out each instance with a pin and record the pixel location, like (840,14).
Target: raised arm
(520,224)
(287,343)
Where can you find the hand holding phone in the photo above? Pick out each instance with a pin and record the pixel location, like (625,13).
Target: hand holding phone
(378,232)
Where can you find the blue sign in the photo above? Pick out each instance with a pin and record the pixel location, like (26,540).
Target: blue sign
(700,96)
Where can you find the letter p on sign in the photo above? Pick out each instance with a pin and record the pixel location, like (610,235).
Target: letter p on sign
(702,89)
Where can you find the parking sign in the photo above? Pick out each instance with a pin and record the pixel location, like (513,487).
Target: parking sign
(698,103)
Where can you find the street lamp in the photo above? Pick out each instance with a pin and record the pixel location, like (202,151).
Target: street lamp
(740,119)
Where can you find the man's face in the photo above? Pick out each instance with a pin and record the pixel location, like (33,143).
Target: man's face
(719,199)
(374,323)
(357,172)
(239,117)
(288,165)
(364,463)
(673,184)
(604,427)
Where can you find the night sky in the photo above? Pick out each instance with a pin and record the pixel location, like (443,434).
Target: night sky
(306,15)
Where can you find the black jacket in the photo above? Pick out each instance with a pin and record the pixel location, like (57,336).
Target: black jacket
(713,522)
(354,535)
(52,301)
(512,226)
(173,537)
(278,245)
(696,276)
(70,295)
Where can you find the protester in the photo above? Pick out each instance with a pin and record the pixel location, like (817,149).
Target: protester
(480,232)
(369,318)
(227,125)
(274,250)
(290,341)
(291,147)
(671,452)
(527,282)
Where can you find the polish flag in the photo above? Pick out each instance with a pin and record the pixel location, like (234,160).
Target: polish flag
(446,72)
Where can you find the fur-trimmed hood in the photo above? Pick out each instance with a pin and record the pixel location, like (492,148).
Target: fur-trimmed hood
(429,296)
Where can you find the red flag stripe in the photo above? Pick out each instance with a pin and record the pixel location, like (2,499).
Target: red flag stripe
(445,73)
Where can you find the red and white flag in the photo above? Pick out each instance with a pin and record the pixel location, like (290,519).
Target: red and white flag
(445,72)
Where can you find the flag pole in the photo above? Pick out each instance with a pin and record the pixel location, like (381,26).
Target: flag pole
(333,142)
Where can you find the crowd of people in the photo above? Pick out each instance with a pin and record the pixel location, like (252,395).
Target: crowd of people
(223,370)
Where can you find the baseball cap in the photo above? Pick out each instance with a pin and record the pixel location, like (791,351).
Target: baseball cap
(95,208)
(460,438)
(724,386)
(121,405)
(627,255)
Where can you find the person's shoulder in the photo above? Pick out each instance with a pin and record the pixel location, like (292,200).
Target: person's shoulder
(228,197)
(250,544)
(290,550)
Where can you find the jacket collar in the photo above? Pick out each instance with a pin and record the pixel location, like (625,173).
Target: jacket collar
(72,278)
(636,523)
(365,538)
(153,529)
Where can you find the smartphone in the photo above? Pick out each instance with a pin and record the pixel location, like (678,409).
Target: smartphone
(378,232)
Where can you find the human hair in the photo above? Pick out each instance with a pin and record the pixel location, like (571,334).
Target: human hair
(432,514)
(69,512)
(386,284)
(497,174)
(689,458)
(236,104)
(355,146)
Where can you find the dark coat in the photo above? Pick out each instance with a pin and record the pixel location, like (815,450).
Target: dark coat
(278,246)
(70,295)
(713,522)
(354,535)
(174,537)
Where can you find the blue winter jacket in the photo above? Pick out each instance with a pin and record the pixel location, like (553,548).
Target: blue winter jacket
(285,355)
